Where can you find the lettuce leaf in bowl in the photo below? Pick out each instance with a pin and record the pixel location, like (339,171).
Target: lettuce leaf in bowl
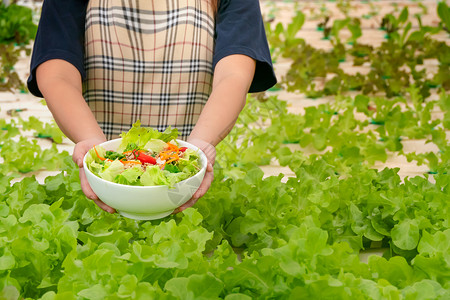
(145,157)
(142,135)
(154,176)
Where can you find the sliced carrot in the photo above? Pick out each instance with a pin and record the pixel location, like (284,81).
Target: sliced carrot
(101,158)
(171,154)
(164,155)
(173,147)
(131,162)
(131,151)
(174,157)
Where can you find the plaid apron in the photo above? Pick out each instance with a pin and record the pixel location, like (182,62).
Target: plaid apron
(148,60)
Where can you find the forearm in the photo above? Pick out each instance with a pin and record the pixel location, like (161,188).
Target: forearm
(60,84)
(220,113)
(232,80)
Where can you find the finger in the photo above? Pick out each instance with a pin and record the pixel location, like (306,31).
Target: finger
(204,186)
(87,190)
(206,182)
(201,191)
(76,156)
(207,148)
(105,207)
(78,153)
(188,204)
(85,187)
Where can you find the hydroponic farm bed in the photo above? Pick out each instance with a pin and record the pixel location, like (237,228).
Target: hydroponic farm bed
(332,185)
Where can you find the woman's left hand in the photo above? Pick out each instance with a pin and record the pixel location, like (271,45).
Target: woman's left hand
(210,152)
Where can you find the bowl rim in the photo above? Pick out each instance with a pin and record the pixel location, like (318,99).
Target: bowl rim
(191,146)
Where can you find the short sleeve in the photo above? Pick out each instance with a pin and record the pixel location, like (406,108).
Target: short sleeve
(240,30)
(60,35)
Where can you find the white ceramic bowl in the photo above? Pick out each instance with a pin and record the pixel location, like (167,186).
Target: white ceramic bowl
(145,202)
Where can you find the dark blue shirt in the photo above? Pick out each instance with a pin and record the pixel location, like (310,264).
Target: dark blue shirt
(239,30)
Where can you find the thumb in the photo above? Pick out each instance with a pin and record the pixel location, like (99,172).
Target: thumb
(82,147)
(79,163)
(78,154)
(77,158)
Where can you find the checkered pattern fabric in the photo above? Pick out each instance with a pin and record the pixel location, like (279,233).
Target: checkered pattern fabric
(148,60)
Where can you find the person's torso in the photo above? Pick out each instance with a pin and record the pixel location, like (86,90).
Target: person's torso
(148,61)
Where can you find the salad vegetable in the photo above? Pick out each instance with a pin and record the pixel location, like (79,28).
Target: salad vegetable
(145,157)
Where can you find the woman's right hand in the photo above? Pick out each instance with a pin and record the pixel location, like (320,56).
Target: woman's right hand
(81,148)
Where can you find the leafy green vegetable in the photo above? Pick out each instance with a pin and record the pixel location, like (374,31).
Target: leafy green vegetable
(114,155)
(16,24)
(254,236)
(16,28)
(138,137)
(444,14)
(154,176)
(317,72)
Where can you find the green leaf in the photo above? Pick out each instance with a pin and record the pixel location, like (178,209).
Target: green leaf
(416,36)
(204,286)
(7,260)
(444,14)
(9,292)
(405,234)
(60,296)
(432,244)
(426,289)
(127,286)
(362,103)
(395,270)
(436,268)
(142,135)
(237,296)
(403,15)
(95,292)
(295,25)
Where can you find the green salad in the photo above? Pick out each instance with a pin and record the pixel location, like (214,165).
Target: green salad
(145,157)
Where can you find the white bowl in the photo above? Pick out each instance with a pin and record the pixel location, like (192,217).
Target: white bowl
(145,202)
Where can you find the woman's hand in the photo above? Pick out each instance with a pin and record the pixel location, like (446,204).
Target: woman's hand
(81,148)
(210,152)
